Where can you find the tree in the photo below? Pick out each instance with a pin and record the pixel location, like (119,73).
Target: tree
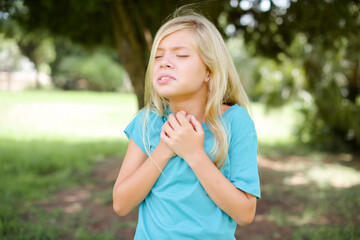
(127,25)
(36,46)
(10,58)
(317,38)
(320,39)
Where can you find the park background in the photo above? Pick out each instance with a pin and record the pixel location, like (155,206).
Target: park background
(71,79)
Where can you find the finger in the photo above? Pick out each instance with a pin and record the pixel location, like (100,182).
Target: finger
(165,137)
(197,125)
(188,117)
(173,122)
(182,119)
(182,112)
(168,129)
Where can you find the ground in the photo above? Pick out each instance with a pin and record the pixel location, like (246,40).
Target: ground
(269,223)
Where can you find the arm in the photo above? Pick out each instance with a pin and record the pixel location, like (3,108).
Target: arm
(187,141)
(239,205)
(137,176)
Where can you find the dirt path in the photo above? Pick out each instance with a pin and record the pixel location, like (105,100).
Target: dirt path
(95,199)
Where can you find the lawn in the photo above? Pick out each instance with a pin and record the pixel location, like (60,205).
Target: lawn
(60,153)
(50,141)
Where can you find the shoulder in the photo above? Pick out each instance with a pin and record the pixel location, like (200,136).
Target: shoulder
(224,108)
(146,113)
(145,117)
(239,118)
(238,113)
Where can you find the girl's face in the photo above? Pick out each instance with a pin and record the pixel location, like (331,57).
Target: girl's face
(179,72)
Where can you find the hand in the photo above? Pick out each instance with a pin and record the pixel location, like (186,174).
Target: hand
(183,134)
(164,148)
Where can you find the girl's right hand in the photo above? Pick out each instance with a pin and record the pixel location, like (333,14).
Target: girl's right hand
(163,147)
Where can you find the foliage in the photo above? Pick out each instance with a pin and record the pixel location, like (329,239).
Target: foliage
(37,46)
(80,69)
(39,50)
(97,71)
(313,49)
(128,26)
(10,55)
(316,51)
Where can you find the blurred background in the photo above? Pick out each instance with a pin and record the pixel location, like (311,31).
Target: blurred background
(72,77)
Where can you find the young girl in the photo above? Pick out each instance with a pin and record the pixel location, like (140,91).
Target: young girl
(191,162)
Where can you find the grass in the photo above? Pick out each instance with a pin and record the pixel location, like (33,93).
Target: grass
(313,198)
(51,141)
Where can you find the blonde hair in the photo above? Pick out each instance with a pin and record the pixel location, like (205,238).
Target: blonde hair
(224,85)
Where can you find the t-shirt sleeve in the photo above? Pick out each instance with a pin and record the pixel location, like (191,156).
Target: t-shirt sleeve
(243,154)
(134,130)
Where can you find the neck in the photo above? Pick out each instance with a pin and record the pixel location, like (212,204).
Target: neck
(195,108)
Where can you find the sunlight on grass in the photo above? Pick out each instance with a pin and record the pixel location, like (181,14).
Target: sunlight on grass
(54,115)
(325,176)
(333,176)
(77,115)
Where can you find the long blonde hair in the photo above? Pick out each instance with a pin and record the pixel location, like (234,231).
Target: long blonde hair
(224,85)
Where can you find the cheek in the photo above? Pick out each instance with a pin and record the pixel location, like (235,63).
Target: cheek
(154,69)
(195,70)
(154,73)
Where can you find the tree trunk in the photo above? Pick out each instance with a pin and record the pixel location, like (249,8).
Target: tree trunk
(37,76)
(132,37)
(131,45)
(8,80)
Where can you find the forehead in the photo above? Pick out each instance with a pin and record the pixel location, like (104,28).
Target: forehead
(181,39)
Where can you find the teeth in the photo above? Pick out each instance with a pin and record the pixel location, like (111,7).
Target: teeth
(163,78)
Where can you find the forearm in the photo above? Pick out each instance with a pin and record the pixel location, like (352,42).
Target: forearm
(131,191)
(237,204)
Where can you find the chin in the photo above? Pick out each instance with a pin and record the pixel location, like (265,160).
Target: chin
(165,94)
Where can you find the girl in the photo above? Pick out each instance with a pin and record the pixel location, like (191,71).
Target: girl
(191,161)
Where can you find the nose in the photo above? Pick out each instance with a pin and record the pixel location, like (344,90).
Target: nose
(165,63)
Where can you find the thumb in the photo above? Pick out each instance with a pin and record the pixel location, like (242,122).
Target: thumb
(197,125)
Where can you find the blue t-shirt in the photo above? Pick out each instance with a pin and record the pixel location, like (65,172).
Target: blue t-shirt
(177,206)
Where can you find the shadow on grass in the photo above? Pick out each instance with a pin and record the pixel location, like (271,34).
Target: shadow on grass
(306,194)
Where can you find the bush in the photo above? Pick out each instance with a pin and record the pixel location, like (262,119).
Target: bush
(96,72)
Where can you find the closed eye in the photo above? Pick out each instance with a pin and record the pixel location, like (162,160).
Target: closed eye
(182,55)
(158,57)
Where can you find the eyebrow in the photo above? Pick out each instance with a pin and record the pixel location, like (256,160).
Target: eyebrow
(173,48)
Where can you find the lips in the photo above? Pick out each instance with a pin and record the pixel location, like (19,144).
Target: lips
(165,78)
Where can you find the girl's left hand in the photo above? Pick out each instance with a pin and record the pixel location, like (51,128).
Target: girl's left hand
(183,134)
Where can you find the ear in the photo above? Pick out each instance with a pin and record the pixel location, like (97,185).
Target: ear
(207,78)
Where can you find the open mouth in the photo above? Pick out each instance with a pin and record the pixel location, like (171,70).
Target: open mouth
(165,79)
